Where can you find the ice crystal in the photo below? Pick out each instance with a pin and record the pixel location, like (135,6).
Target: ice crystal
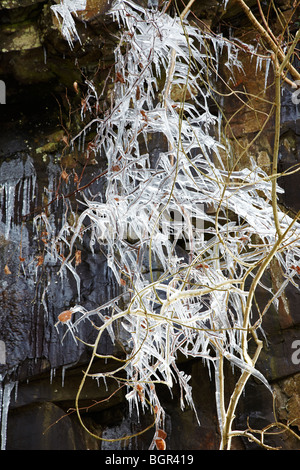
(190,302)
(64,13)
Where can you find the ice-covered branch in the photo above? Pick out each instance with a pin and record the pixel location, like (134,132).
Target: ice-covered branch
(64,13)
(193,300)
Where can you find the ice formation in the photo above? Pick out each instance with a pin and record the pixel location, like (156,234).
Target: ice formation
(64,13)
(196,304)
(5,398)
(17,190)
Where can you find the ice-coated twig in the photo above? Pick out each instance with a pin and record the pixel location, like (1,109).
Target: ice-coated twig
(64,13)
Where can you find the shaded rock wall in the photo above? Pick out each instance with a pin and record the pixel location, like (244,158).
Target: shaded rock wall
(41,113)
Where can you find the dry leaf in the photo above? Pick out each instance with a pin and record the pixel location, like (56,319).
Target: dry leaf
(7,270)
(161,434)
(296,268)
(65,316)
(119,77)
(140,392)
(65,139)
(75,86)
(116,168)
(137,93)
(40,260)
(77,257)
(160,444)
(65,176)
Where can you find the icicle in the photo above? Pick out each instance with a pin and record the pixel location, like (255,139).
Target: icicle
(63,11)
(52,374)
(26,200)
(2,352)
(15,174)
(9,207)
(6,396)
(63,373)
(1,396)
(258,63)
(218,394)
(105,383)
(267,68)
(16,390)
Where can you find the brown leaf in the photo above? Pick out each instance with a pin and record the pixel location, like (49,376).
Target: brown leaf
(77,257)
(116,168)
(65,139)
(160,444)
(122,282)
(137,93)
(296,268)
(161,434)
(119,77)
(75,86)
(7,270)
(140,392)
(40,260)
(65,176)
(65,316)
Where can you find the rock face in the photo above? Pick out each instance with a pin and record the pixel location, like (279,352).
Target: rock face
(39,375)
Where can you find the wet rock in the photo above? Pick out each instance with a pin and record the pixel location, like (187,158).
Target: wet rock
(287,392)
(289,152)
(9,4)
(50,428)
